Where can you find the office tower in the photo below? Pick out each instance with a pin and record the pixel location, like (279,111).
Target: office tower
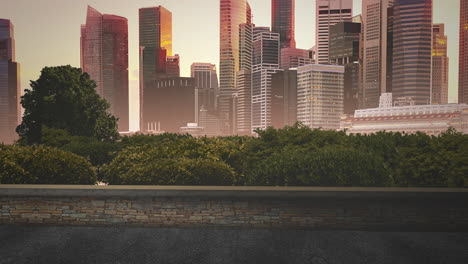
(292,58)
(10,110)
(264,64)
(463,57)
(412,50)
(233,13)
(243,96)
(173,66)
(440,65)
(328,13)
(104,56)
(284,98)
(206,84)
(155,42)
(344,50)
(170,104)
(283,21)
(377,49)
(320,95)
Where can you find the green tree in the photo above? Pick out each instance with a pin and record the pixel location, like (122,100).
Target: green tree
(65,98)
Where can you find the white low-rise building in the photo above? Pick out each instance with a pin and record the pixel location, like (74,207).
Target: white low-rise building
(429,119)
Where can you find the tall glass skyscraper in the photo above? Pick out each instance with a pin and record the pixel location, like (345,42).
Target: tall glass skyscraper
(377,50)
(283,21)
(233,13)
(412,50)
(328,13)
(155,42)
(10,93)
(265,63)
(463,59)
(104,56)
(440,65)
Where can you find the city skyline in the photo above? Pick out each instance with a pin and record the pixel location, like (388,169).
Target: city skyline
(192,45)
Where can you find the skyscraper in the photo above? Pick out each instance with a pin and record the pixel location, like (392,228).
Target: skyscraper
(344,50)
(265,64)
(328,13)
(206,83)
(233,13)
(320,95)
(412,50)
(463,59)
(292,58)
(440,65)
(283,21)
(377,50)
(104,56)
(243,106)
(10,93)
(155,41)
(284,98)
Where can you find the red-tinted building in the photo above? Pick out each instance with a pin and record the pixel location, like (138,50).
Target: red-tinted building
(463,60)
(104,56)
(282,21)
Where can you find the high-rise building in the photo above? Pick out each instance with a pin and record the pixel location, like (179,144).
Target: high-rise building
(412,50)
(10,93)
(155,42)
(104,56)
(283,21)
(344,50)
(206,82)
(233,13)
(169,104)
(328,13)
(377,49)
(284,98)
(463,54)
(292,58)
(173,66)
(243,96)
(320,95)
(440,65)
(265,63)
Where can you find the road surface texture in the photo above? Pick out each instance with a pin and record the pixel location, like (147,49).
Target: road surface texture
(35,244)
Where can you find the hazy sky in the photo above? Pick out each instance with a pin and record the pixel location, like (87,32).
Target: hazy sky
(47,32)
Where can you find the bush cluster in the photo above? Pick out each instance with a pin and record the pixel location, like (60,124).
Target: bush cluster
(292,156)
(43,165)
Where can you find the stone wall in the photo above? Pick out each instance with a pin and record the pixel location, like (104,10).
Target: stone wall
(254,207)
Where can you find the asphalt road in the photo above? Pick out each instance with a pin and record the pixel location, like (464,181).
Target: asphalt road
(26,244)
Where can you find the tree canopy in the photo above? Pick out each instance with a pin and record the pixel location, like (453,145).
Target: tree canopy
(65,98)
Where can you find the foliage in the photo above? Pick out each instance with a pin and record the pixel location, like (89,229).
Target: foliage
(64,98)
(43,165)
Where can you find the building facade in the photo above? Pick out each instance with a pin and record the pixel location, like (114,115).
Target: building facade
(155,45)
(10,91)
(293,58)
(328,13)
(440,65)
(169,104)
(320,95)
(284,98)
(243,95)
(283,21)
(264,64)
(233,13)
(412,50)
(408,118)
(206,82)
(377,51)
(104,56)
(344,50)
(463,54)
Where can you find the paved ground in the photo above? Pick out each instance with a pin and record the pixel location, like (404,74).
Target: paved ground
(160,245)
